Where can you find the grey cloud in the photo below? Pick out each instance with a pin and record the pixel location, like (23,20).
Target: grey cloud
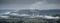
(54,1)
(27,4)
(27,1)
(18,1)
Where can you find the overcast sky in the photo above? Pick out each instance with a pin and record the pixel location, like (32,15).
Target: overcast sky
(29,4)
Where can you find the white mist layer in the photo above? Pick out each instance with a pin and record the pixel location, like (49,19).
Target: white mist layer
(4,16)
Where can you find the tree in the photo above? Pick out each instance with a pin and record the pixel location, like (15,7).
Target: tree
(35,21)
(57,15)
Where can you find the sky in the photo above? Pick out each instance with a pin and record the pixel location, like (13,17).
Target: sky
(30,4)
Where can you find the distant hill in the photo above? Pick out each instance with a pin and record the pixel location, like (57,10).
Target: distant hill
(53,11)
(34,11)
(41,12)
(4,10)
